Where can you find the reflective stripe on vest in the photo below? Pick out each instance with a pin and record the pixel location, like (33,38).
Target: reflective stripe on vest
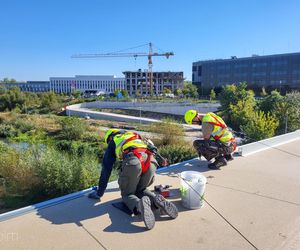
(220,131)
(127,140)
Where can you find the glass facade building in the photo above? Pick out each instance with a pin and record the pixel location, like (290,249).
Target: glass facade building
(281,72)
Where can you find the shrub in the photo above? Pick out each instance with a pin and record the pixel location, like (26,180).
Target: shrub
(61,173)
(22,125)
(17,171)
(7,131)
(178,153)
(72,128)
(260,127)
(169,133)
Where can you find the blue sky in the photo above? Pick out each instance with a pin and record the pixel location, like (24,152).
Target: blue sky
(37,38)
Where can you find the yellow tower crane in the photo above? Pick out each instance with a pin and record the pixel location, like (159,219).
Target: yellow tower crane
(150,54)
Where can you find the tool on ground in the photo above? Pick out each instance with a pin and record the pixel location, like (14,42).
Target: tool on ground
(162,190)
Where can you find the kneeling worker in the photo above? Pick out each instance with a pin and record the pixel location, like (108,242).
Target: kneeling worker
(136,174)
(218,142)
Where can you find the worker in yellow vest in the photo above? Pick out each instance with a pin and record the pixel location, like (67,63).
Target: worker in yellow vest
(218,142)
(136,174)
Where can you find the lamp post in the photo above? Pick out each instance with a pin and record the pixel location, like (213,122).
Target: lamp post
(280,86)
(140,115)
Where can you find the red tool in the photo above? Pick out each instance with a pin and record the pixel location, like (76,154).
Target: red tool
(163,190)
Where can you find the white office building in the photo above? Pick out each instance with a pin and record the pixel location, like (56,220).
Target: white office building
(98,83)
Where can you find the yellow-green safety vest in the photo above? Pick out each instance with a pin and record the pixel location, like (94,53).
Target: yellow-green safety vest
(127,140)
(220,131)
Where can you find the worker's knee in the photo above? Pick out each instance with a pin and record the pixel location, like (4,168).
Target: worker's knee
(198,144)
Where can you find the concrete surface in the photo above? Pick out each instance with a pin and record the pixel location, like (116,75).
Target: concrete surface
(84,109)
(255,196)
(161,107)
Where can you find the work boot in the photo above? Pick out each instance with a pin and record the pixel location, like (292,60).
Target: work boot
(219,162)
(167,207)
(144,208)
(94,195)
(228,157)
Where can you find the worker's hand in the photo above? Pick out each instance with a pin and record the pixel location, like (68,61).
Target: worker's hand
(164,163)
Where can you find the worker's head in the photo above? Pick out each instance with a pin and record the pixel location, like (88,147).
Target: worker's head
(191,116)
(110,133)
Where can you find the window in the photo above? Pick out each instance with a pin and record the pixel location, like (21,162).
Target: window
(279,63)
(279,72)
(199,70)
(241,65)
(259,64)
(259,74)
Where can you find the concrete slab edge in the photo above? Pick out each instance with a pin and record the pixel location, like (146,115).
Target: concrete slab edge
(246,150)
(72,196)
(255,147)
(49,203)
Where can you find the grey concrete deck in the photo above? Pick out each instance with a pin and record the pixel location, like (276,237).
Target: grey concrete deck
(258,195)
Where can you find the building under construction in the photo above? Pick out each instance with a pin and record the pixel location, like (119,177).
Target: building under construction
(138,82)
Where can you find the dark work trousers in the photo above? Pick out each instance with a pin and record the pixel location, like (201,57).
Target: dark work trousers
(133,184)
(212,149)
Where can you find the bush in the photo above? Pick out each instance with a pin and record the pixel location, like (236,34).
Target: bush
(72,128)
(293,100)
(260,127)
(61,173)
(178,153)
(235,99)
(43,172)
(17,171)
(169,133)
(21,125)
(7,131)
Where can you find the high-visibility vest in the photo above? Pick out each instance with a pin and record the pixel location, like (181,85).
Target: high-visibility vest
(127,140)
(220,131)
(132,142)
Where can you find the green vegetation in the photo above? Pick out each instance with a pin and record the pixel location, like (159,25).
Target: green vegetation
(7,80)
(212,95)
(274,114)
(62,155)
(171,143)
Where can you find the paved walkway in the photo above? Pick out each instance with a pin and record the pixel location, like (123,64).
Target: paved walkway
(253,202)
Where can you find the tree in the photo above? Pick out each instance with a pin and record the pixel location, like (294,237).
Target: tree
(178,92)
(3,90)
(212,95)
(241,113)
(50,101)
(260,126)
(190,90)
(167,91)
(76,93)
(137,93)
(7,80)
(236,101)
(263,92)
(287,112)
(11,99)
(124,92)
(268,104)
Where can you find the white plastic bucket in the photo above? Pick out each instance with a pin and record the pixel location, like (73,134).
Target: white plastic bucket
(192,187)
